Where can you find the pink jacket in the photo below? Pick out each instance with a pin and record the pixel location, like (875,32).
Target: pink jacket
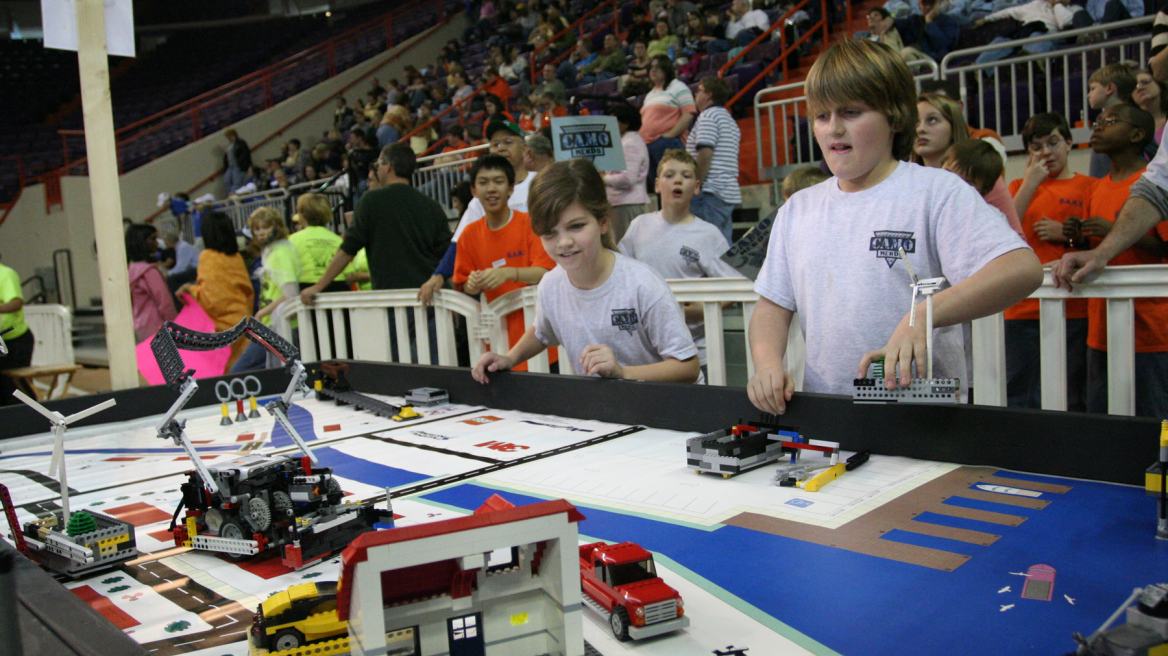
(628,187)
(153,305)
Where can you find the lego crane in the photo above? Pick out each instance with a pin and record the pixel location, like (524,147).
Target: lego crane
(165,346)
(60,424)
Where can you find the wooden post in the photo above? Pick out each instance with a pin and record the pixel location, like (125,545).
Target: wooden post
(105,191)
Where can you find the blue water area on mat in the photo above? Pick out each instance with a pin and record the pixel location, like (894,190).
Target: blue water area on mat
(1099,538)
(343,464)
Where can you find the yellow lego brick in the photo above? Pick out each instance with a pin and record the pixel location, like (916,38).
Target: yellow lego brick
(192,527)
(1152,480)
(823,478)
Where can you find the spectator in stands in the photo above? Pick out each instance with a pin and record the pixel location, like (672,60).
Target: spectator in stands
(343,115)
(236,160)
(1123,132)
(526,113)
(713,143)
(1107,87)
(547,108)
(320,157)
(949,89)
(928,35)
(557,23)
(474,134)
(315,243)
(675,243)
(417,89)
(581,56)
(664,43)
(279,180)
(390,129)
(608,64)
(1152,97)
(642,26)
(863,100)
(150,298)
(592,286)
(1034,18)
(882,28)
(310,173)
(279,277)
(361,157)
(462,88)
(15,332)
(494,110)
(186,256)
(426,131)
(1110,11)
(716,31)
(626,189)
(405,233)
(802,178)
(744,24)
(494,84)
(257,180)
(694,39)
(295,158)
(666,113)
(636,82)
(940,125)
(678,12)
(500,253)
(551,85)
(223,288)
(1048,194)
(539,153)
(976,162)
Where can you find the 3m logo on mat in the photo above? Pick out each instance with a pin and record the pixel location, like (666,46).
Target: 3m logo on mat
(478,421)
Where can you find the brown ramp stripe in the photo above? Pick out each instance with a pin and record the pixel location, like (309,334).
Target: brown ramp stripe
(863,534)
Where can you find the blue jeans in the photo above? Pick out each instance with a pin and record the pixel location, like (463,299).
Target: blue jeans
(1151,383)
(1023,369)
(254,358)
(1002,53)
(715,211)
(233,178)
(656,152)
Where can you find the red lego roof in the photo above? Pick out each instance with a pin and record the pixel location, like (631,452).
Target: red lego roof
(357,551)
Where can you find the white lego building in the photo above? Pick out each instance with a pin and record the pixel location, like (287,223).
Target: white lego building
(504,581)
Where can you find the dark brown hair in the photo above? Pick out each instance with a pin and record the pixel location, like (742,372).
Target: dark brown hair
(976,161)
(563,184)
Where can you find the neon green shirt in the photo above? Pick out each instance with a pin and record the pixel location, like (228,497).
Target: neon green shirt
(12,324)
(316,246)
(361,265)
(281,266)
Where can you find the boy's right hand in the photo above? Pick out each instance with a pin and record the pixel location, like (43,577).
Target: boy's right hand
(490,362)
(770,389)
(1037,170)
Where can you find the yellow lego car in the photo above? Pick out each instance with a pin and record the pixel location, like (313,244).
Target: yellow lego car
(300,615)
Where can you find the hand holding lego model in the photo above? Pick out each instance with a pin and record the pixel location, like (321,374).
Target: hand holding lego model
(490,362)
(908,344)
(599,360)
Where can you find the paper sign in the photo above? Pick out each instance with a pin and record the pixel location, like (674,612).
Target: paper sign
(748,254)
(60,25)
(595,138)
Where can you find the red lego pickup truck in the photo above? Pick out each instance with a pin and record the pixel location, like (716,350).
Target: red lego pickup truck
(620,582)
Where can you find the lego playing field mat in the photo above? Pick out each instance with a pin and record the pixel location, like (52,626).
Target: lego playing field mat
(969,530)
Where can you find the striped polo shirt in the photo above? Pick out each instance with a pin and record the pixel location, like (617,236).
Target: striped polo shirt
(716,129)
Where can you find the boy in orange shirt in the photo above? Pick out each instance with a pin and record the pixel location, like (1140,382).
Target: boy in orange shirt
(1121,133)
(1046,195)
(500,252)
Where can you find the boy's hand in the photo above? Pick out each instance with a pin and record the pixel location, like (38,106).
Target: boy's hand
(598,359)
(770,389)
(490,362)
(492,278)
(1049,230)
(907,344)
(1037,170)
(1073,228)
(426,291)
(1096,226)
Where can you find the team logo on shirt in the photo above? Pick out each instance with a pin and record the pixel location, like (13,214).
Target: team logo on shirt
(625,319)
(690,256)
(887,244)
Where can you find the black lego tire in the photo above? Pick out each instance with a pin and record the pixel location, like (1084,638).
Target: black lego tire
(286,639)
(619,623)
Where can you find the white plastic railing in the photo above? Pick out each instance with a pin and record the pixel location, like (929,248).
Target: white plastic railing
(1030,68)
(365,318)
(789,118)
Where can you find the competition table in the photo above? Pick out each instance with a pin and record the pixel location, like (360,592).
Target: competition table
(925,550)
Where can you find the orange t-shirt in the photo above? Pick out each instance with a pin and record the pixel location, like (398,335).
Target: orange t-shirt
(1107,197)
(1057,200)
(513,245)
(500,88)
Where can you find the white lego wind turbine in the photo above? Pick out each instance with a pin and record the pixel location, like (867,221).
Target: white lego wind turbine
(60,424)
(928,287)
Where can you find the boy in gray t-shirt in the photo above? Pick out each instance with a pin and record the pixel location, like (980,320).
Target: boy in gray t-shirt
(675,243)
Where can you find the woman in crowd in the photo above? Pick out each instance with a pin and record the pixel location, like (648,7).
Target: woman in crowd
(667,112)
(636,81)
(279,273)
(664,42)
(1152,97)
(494,111)
(150,299)
(626,189)
(223,288)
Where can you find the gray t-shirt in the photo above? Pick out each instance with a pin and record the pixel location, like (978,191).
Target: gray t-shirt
(633,313)
(689,250)
(833,258)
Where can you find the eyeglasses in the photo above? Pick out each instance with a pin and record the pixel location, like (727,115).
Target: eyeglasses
(1108,122)
(1038,147)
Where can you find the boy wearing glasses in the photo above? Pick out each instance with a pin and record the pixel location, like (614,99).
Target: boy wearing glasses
(1046,196)
(1121,134)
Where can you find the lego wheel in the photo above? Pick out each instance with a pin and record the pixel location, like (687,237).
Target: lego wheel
(619,622)
(287,639)
(231,529)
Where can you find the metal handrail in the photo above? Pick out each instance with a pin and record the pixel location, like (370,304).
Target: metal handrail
(782,36)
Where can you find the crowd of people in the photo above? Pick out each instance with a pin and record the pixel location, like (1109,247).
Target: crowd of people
(599,252)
